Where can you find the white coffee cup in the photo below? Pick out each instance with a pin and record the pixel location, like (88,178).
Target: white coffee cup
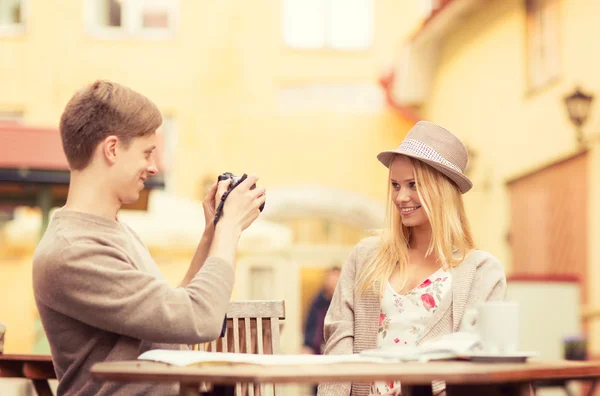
(497,324)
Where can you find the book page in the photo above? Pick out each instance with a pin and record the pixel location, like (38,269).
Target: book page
(187,358)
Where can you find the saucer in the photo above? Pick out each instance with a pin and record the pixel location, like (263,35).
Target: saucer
(483,357)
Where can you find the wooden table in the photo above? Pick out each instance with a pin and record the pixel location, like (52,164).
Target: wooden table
(37,368)
(462,378)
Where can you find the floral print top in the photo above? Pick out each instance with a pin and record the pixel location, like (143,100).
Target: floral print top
(404,316)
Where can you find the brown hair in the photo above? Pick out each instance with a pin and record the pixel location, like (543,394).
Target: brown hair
(101,109)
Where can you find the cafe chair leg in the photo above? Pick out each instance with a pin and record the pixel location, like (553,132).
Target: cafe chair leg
(417,390)
(42,387)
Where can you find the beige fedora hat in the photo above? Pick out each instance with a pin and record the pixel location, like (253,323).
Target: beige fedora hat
(437,147)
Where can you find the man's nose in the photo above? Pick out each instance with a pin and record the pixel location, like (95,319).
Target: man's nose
(152,169)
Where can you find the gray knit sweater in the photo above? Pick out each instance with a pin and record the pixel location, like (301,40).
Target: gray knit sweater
(102,298)
(352,320)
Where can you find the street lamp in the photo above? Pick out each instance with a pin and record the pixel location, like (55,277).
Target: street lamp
(578,105)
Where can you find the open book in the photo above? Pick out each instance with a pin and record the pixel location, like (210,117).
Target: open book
(449,346)
(188,358)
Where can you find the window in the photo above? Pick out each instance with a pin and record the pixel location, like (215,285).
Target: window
(12,18)
(341,98)
(146,18)
(543,36)
(336,24)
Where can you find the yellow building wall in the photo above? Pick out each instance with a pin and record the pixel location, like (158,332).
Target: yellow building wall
(480,94)
(219,77)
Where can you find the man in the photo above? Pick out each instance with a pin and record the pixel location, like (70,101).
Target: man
(100,295)
(314,338)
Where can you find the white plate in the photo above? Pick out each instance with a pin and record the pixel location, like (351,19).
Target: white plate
(483,357)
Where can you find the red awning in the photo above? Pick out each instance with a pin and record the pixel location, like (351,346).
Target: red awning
(29,147)
(32,163)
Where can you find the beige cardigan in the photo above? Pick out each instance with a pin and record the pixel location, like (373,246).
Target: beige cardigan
(352,319)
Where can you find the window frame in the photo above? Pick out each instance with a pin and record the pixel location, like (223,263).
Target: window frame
(131,21)
(543,61)
(326,41)
(17,29)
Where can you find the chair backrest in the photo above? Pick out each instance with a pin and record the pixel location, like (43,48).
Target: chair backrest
(2,332)
(253,326)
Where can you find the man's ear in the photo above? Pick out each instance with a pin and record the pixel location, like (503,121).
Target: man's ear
(109,148)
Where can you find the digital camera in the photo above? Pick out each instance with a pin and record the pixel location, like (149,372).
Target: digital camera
(235,181)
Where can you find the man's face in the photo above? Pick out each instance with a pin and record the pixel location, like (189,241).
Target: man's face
(330,283)
(134,164)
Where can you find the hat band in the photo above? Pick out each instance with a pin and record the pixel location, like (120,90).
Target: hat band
(424,151)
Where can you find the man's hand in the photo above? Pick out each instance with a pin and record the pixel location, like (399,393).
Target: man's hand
(241,205)
(210,203)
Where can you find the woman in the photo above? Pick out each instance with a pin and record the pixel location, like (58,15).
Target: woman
(413,283)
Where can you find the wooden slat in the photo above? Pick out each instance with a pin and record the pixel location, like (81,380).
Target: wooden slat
(236,349)
(259,317)
(236,335)
(275,348)
(248,333)
(225,340)
(259,349)
(257,309)
(275,336)
(259,337)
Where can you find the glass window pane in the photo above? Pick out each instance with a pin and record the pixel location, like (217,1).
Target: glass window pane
(304,23)
(11,12)
(351,24)
(155,14)
(109,13)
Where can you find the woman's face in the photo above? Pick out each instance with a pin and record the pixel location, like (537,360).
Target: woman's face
(404,192)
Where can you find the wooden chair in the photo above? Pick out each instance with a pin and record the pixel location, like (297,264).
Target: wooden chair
(252,326)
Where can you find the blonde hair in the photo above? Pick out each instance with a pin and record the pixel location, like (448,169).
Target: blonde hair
(451,238)
(101,109)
